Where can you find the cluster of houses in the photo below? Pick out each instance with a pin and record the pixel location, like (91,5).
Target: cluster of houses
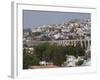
(65,31)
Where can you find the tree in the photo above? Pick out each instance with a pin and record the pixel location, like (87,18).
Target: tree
(75,51)
(59,55)
(40,50)
(29,60)
(56,53)
(50,53)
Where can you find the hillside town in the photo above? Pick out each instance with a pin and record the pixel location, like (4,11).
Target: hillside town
(73,32)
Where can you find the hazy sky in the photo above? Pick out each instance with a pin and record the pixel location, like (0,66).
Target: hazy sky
(33,18)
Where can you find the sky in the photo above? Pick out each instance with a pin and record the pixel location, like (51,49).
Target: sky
(33,18)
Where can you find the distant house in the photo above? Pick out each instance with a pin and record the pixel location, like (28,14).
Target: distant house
(87,62)
(65,30)
(71,35)
(42,63)
(36,30)
(29,50)
(70,62)
(58,36)
(26,33)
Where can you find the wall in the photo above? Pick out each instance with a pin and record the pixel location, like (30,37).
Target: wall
(5,38)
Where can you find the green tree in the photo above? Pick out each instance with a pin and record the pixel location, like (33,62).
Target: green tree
(56,53)
(29,60)
(59,55)
(75,51)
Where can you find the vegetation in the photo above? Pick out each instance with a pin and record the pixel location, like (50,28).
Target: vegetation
(29,59)
(51,53)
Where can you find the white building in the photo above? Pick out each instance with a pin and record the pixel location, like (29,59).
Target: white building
(36,30)
(57,36)
(70,62)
